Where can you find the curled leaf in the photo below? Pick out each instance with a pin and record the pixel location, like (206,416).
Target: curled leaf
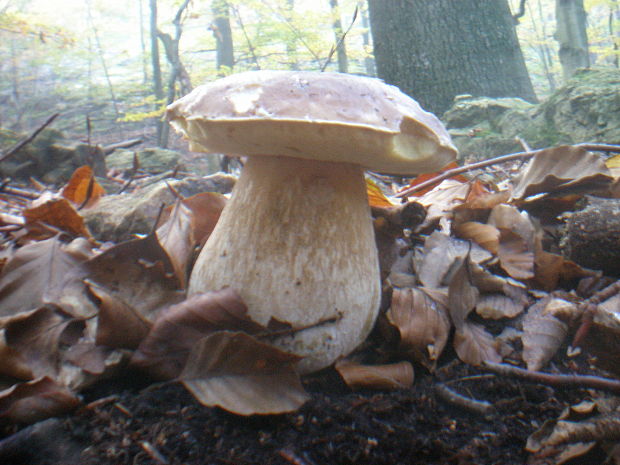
(474,345)
(386,377)
(543,334)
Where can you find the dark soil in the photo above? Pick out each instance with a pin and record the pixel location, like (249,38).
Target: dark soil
(164,424)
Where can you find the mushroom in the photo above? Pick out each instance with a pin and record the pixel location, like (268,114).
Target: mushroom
(296,239)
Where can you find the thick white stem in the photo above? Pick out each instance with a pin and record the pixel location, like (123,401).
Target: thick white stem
(296,241)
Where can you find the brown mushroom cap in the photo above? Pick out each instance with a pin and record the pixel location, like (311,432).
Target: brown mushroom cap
(321,116)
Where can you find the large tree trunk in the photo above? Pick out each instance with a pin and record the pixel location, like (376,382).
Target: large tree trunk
(571,34)
(435,50)
(225,59)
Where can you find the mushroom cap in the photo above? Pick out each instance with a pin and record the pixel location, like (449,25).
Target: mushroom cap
(314,115)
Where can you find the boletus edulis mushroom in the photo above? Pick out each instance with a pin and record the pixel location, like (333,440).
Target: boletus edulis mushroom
(296,238)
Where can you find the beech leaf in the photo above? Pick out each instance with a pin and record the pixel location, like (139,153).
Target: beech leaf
(497,306)
(178,328)
(543,333)
(423,324)
(240,374)
(462,294)
(36,400)
(83,190)
(139,273)
(177,239)
(37,274)
(559,168)
(58,213)
(474,345)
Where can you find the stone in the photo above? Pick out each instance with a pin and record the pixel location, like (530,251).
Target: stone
(119,217)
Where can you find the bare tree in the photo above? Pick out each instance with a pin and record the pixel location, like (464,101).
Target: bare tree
(223,35)
(571,35)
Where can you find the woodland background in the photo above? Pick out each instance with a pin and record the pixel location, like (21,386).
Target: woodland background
(110,67)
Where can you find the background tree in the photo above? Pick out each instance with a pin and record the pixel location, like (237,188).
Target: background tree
(572,36)
(437,50)
(222,33)
(341,49)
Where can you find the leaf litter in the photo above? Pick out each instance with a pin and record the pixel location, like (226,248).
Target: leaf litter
(72,316)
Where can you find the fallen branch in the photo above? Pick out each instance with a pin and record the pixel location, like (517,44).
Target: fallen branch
(108,149)
(581,381)
(28,139)
(495,161)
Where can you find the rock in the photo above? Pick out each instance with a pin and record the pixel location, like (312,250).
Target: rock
(484,127)
(152,160)
(586,109)
(118,217)
(591,235)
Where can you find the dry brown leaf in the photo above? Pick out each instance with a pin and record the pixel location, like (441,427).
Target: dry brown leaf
(515,256)
(485,235)
(423,325)
(559,168)
(139,273)
(474,345)
(59,215)
(240,374)
(376,198)
(434,262)
(36,400)
(118,324)
(177,238)
(382,377)
(497,306)
(41,337)
(82,189)
(206,208)
(462,294)
(443,199)
(543,334)
(164,351)
(12,362)
(37,274)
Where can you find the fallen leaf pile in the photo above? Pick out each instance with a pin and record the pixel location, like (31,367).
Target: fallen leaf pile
(469,265)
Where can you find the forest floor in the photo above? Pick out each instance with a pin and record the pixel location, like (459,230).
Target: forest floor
(164,424)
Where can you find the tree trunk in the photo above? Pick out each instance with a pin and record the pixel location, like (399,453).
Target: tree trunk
(571,34)
(369,62)
(225,59)
(158,87)
(291,42)
(435,50)
(177,70)
(341,50)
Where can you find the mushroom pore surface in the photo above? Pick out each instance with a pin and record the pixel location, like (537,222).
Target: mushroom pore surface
(296,241)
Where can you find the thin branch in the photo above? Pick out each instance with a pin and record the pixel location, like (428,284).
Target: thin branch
(497,160)
(245,34)
(340,40)
(480,407)
(13,150)
(580,381)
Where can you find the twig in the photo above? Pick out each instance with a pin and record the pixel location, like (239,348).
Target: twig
(480,407)
(588,307)
(291,457)
(494,161)
(581,381)
(19,192)
(340,41)
(29,139)
(153,453)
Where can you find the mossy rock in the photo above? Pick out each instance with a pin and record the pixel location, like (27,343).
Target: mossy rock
(152,160)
